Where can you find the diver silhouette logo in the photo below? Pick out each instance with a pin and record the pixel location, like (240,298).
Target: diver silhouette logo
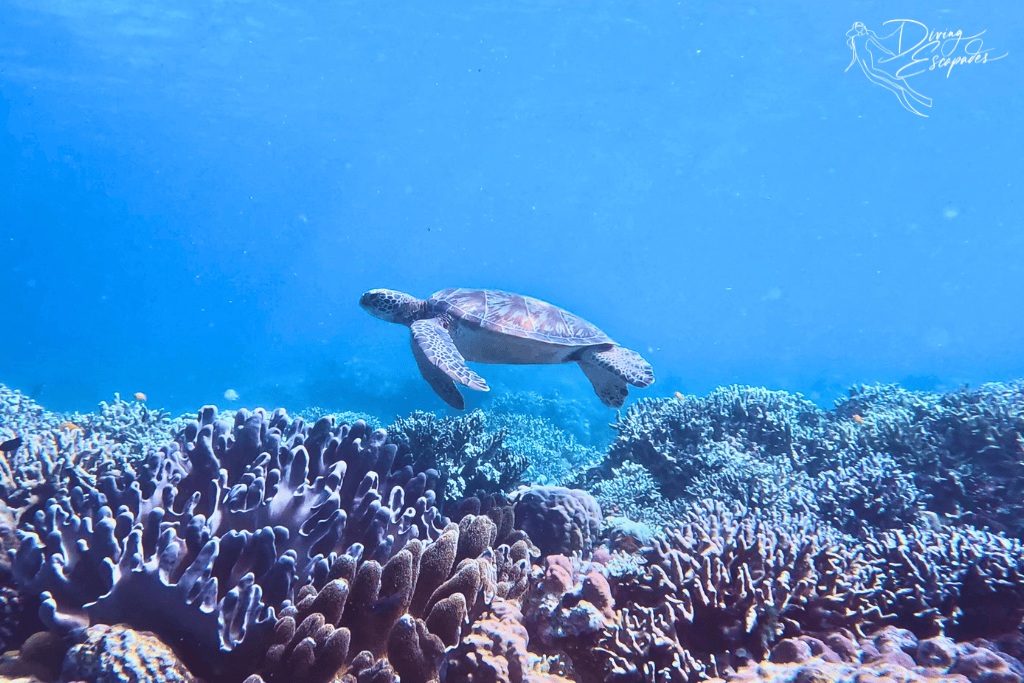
(890,60)
(861,41)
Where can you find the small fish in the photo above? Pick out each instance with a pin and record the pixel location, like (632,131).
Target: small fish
(231,395)
(679,395)
(858,419)
(11,445)
(139,396)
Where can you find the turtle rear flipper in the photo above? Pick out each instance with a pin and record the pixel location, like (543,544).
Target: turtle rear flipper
(608,386)
(627,364)
(439,350)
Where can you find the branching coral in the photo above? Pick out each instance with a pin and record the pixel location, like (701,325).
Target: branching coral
(261,544)
(724,585)
(875,462)
(469,453)
(738,443)
(965,450)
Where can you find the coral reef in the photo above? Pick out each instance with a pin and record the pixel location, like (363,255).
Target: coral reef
(496,650)
(587,425)
(469,453)
(723,586)
(57,447)
(749,535)
(222,530)
(963,582)
(873,493)
(630,491)
(554,455)
(314,413)
(964,450)
(877,461)
(738,443)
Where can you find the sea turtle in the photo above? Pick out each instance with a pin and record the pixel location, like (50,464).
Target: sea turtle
(488,326)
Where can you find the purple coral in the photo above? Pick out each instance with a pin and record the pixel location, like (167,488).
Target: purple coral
(223,528)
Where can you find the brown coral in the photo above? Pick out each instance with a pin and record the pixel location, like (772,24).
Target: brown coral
(496,651)
(559,520)
(891,656)
(112,654)
(381,623)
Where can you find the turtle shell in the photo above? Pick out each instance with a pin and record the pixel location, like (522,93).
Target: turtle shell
(518,316)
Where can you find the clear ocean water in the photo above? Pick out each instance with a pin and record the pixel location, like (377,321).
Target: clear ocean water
(797,195)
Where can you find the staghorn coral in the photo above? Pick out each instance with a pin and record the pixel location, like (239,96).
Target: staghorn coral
(221,529)
(665,435)
(554,456)
(737,444)
(587,424)
(314,413)
(724,585)
(468,451)
(961,582)
(558,520)
(965,450)
(59,447)
(131,423)
(52,456)
(873,493)
(878,460)
(718,589)
(630,491)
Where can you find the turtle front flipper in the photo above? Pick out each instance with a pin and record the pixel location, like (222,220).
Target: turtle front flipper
(439,350)
(441,383)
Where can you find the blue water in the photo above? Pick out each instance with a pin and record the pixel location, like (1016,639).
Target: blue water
(193,195)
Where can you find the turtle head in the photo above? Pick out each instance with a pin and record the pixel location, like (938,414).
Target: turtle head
(392,306)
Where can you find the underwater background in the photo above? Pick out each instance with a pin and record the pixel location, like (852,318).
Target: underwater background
(215,467)
(193,196)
